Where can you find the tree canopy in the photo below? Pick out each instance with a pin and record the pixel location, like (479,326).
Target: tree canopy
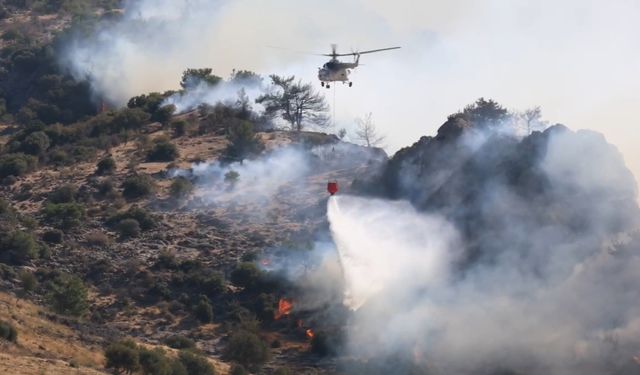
(297,103)
(193,77)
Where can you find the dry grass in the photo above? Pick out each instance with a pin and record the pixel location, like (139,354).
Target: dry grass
(43,346)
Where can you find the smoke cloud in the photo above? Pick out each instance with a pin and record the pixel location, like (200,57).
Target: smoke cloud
(577,60)
(550,288)
(257,181)
(228,93)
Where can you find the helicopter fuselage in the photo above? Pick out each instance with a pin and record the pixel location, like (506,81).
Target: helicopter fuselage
(335,70)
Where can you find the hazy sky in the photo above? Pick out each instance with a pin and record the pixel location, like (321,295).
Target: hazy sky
(577,59)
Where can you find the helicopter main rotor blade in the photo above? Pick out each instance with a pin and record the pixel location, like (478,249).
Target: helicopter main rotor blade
(361,53)
(374,50)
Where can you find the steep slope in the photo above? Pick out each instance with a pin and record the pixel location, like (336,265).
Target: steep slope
(46,343)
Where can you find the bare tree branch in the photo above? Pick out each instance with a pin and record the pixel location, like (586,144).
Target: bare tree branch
(367,133)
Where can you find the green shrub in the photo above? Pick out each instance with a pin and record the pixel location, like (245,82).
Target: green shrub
(138,186)
(16,164)
(247,349)
(35,143)
(209,283)
(180,188)
(122,356)
(68,295)
(28,280)
(154,362)
(163,114)
(243,142)
(142,216)
(167,259)
(53,236)
(231,177)
(203,310)
(106,166)
(246,275)
(129,119)
(64,194)
(163,151)
(64,215)
(59,157)
(18,247)
(129,228)
(179,128)
(107,187)
(8,332)
(180,342)
(196,364)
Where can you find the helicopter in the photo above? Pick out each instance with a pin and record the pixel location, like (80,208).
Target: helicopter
(336,71)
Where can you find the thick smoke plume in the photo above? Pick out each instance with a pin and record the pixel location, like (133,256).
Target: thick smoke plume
(258,180)
(524,54)
(535,273)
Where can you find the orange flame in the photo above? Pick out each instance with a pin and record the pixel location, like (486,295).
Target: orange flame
(310,334)
(284,308)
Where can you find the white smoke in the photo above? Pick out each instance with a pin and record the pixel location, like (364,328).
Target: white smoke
(550,302)
(225,93)
(258,180)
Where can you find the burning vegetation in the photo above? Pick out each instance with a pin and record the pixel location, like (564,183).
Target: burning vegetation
(285,307)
